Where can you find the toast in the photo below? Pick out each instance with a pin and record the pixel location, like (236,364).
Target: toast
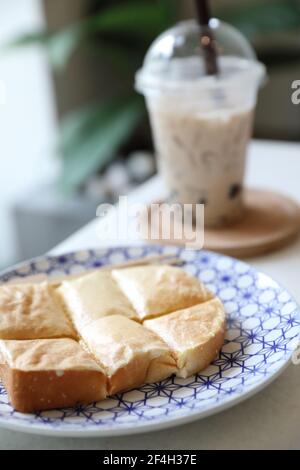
(158,290)
(194,335)
(104,333)
(49,373)
(32,311)
(129,353)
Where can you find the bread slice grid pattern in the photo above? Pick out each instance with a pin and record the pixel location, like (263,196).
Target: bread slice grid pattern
(133,347)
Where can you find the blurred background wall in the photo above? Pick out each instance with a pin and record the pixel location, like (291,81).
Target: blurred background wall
(74,133)
(27,117)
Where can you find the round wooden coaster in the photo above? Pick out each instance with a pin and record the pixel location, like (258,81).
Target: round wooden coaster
(271,221)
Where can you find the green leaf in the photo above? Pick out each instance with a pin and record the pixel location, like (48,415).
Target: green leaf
(91,138)
(125,62)
(146,19)
(59,45)
(133,24)
(63,44)
(28,39)
(263,18)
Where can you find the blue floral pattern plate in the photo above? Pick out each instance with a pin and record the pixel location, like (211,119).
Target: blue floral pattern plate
(263,323)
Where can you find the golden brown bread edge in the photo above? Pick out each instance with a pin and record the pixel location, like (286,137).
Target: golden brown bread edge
(74,387)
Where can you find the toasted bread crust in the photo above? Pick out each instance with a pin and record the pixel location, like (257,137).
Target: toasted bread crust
(45,390)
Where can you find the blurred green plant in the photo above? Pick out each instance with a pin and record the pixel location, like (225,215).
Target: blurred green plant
(273,26)
(120,32)
(263,17)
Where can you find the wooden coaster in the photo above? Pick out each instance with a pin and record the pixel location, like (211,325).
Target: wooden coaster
(271,221)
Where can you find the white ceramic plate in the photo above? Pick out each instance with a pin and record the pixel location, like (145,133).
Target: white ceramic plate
(263,324)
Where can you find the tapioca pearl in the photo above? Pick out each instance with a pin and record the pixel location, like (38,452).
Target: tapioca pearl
(234,190)
(288,308)
(251,323)
(263,282)
(82,255)
(117,258)
(245,281)
(207,275)
(267,296)
(42,265)
(241,268)
(249,310)
(227,294)
(271,323)
(231,307)
(224,264)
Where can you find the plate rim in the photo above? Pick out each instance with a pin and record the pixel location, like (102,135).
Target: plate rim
(38,429)
(191,416)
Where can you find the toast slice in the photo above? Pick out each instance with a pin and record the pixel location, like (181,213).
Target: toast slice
(94,296)
(49,373)
(194,335)
(130,354)
(32,311)
(158,290)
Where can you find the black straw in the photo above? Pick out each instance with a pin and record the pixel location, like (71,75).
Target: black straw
(207,40)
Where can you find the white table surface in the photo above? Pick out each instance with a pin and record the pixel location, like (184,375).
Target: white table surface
(268,420)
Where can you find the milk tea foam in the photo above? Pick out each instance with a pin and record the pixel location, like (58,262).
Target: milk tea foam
(201,157)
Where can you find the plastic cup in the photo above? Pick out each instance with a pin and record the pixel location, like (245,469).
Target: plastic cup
(202,124)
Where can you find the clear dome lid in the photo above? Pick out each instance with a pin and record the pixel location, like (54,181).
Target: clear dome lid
(175,59)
